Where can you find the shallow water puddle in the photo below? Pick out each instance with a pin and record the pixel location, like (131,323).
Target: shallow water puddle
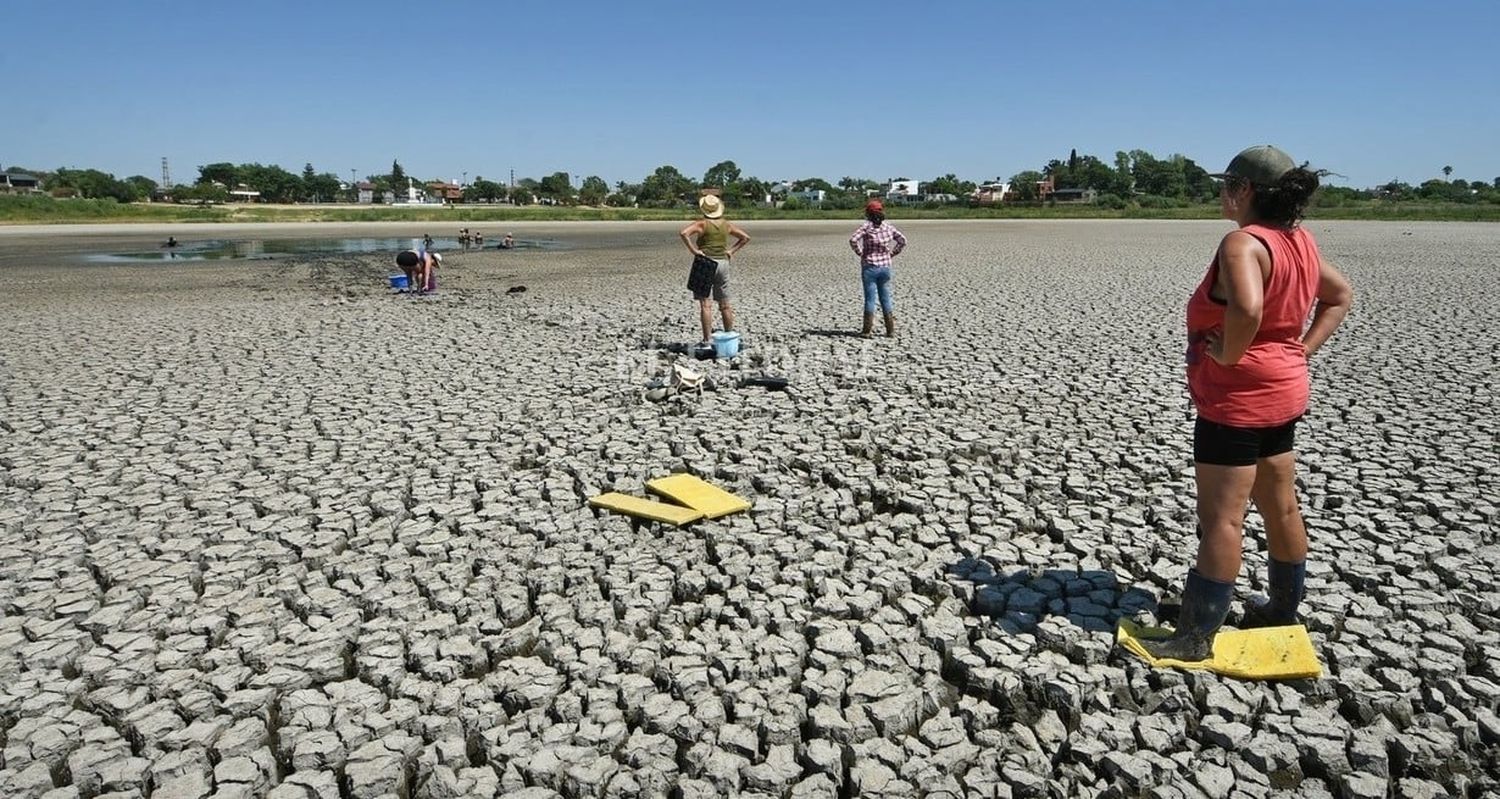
(265,249)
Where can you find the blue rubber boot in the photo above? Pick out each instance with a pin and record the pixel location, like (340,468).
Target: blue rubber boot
(1286,586)
(1205,603)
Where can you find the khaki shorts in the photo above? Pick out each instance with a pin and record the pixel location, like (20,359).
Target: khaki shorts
(720,290)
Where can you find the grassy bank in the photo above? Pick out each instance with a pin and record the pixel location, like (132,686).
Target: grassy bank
(46,210)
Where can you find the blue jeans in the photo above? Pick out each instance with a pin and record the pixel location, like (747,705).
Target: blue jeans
(877,280)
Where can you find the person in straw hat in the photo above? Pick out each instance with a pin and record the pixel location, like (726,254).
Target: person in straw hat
(709,237)
(1249,340)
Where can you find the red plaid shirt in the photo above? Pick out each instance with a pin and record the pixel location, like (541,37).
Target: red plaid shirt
(876,245)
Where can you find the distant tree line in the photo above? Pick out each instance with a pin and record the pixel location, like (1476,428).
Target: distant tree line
(90,184)
(1139,177)
(1133,177)
(276,185)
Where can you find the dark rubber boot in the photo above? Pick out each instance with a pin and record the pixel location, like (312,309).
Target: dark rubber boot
(869,327)
(890,325)
(1287,584)
(1205,603)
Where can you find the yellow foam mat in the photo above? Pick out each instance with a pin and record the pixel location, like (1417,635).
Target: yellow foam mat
(1267,653)
(688,490)
(675,515)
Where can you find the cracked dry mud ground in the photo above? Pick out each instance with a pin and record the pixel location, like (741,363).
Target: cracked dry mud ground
(307,539)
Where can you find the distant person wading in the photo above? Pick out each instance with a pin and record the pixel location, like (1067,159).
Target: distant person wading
(709,237)
(877,243)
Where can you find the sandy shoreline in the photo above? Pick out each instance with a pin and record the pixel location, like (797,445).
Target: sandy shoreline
(269,515)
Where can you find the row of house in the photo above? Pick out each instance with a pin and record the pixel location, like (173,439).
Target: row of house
(908,192)
(436,191)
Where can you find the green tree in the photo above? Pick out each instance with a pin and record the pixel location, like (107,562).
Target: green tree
(1198,185)
(222,172)
(482,190)
(722,176)
(665,187)
(851,185)
(754,190)
(1083,172)
(1124,182)
(1396,190)
(1023,184)
(276,185)
(1442,190)
(623,195)
(143,186)
(90,184)
(557,186)
(594,190)
(812,184)
(947,184)
(1155,176)
(397,176)
(200,193)
(525,190)
(1447,171)
(321,187)
(1092,173)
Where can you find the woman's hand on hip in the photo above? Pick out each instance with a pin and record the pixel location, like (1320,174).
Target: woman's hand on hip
(1213,346)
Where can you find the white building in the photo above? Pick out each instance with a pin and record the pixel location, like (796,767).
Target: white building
(902,189)
(991,192)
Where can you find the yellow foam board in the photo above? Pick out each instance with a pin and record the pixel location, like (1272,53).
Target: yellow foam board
(1267,653)
(688,490)
(675,515)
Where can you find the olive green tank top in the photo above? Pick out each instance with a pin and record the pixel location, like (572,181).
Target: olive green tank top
(714,240)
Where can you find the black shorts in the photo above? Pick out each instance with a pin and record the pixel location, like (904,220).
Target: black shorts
(407,260)
(1222,445)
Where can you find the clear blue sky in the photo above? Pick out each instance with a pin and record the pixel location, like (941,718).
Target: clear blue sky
(1371,89)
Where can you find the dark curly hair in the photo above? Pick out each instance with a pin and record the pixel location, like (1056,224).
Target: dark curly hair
(1284,204)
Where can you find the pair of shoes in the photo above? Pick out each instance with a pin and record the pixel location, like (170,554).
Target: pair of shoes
(1286,586)
(1205,604)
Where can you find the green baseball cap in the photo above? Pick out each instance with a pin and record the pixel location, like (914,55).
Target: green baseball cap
(1262,165)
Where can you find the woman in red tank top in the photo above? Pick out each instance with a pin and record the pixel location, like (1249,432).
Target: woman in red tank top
(1248,345)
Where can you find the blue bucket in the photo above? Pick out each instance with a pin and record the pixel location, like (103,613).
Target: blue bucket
(398,281)
(726,344)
